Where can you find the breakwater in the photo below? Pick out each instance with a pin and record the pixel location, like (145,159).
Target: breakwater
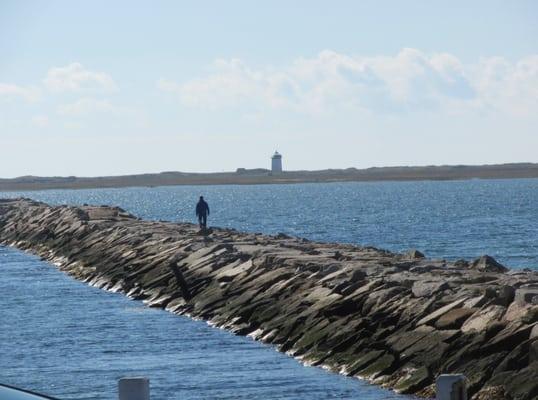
(398,319)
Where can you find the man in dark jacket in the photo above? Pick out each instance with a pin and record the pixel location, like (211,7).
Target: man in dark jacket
(202,211)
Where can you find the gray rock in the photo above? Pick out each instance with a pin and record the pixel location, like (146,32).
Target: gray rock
(527,295)
(483,318)
(441,311)
(454,318)
(427,289)
(488,264)
(414,254)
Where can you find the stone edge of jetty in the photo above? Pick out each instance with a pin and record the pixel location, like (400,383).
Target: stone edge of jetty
(398,320)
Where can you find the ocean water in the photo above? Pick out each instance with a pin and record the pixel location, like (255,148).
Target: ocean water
(63,338)
(447,219)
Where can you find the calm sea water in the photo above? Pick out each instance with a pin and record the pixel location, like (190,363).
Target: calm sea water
(66,339)
(453,219)
(61,337)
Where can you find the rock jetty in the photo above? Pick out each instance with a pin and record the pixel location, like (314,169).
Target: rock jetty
(398,320)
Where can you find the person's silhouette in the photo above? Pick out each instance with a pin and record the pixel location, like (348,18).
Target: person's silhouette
(202,211)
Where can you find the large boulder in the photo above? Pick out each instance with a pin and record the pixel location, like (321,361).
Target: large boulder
(483,318)
(491,393)
(518,311)
(427,288)
(522,385)
(488,264)
(414,254)
(431,317)
(413,379)
(454,318)
(502,295)
(528,295)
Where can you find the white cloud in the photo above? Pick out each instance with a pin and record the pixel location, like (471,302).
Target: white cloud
(11,91)
(508,86)
(408,81)
(74,77)
(40,121)
(86,106)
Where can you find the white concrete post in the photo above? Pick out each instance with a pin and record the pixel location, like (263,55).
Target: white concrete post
(135,388)
(451,387)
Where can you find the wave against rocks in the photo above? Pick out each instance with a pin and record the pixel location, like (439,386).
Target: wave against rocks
(398,320)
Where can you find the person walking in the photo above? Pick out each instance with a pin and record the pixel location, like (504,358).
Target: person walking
(202,211)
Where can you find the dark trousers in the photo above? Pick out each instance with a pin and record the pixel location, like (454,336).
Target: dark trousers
(202,219)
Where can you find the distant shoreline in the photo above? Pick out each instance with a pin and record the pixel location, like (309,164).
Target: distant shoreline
(263,176)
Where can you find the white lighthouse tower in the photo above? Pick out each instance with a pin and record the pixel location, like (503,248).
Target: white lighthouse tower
(276,162)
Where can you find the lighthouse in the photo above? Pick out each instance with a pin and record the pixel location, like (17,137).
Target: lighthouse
(276,162)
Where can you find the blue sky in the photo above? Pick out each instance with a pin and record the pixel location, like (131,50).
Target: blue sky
(108,88)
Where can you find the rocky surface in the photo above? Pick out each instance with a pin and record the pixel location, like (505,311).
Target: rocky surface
(398,320)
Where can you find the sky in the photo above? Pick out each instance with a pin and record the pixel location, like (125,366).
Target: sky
(111,88)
